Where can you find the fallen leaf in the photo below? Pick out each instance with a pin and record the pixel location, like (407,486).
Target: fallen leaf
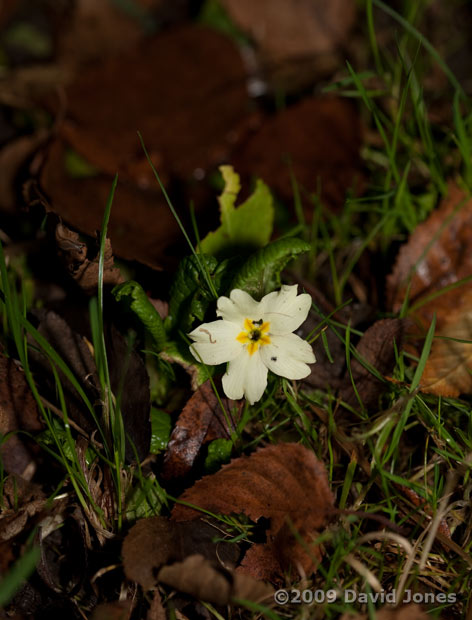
(18,412)
(404,612)
(82,268)
(200,422)
(21,501)
(12,157)
(199,578)
(283,483)
(437,254)
(152,543)
(297,40)
(377,348)
(117,610)
(318,140)
(448,371)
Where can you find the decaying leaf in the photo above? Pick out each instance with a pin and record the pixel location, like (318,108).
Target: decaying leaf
(118,610)
(21,501)
(18,412)
(284,483)
(12,157)
(201,421)
(411,611)
(448,371)
(377,348)
(437,254)
(155,542)
(318,140)
(199,578)
(80,266)
(297,40)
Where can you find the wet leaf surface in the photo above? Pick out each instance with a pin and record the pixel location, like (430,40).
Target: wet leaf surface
(200,422)
(282,483)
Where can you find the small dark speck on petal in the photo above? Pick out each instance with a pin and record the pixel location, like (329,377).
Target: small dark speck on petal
(274,359)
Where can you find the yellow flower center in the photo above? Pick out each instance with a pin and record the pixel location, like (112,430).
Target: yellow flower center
(255,334)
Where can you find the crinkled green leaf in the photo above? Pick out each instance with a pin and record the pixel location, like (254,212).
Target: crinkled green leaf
(189,295)
(161,425)
(219,453)
(245,228)
(133,293)
(260,274)
(145,499)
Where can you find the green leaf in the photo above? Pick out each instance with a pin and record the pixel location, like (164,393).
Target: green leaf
(189,295)
(133,293)
(260,274)
(219,453)
(145,500)
(160,430)
(245,228)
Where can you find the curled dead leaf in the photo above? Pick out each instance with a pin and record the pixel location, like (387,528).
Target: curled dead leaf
(18,412)
(83,269)
(284,483)
(200,421)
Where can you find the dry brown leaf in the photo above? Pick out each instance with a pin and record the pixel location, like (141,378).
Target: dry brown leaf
(83,269)
(437,254)
(448,371)
(283,483)
(118,610)
(199,578)
(377,347)
(152,543)
(12,157)
(201,421)
(21,501)
(295,37)
(318,140)
(404,612)
(18,412)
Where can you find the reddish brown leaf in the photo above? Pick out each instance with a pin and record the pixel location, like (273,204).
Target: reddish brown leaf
(448,371)
(404,612)
(201,421)
(297,40)
(283,483)
(118,610)
(318,139)
(438,253)
(377,347)
(21,501)
(80,266)
(18,411)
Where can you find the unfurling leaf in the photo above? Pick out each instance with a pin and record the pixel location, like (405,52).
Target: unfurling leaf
(139,303)
(284,483)
(260,274)
(245,228)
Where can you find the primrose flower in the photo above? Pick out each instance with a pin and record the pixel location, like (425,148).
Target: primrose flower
(255,337)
